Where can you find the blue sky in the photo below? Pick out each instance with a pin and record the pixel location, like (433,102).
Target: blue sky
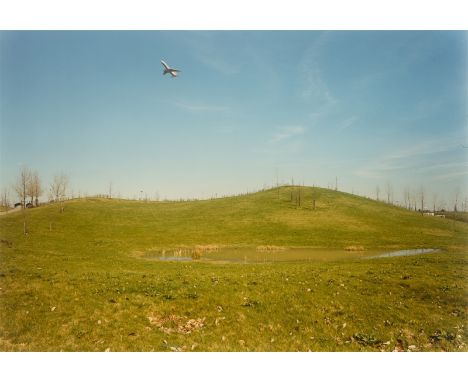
(365,107)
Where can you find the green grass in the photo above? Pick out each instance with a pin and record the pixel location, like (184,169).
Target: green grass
(78,281)
(459,216)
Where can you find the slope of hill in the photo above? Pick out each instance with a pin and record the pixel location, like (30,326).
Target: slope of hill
(72,283)
(264,218)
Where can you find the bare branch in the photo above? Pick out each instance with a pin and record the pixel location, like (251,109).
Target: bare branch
(23,185)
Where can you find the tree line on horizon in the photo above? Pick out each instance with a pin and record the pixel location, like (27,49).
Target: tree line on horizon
(29,188)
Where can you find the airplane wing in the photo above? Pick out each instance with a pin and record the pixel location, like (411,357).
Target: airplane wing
(165,65)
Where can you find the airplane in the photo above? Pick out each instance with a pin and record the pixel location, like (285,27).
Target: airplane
(168,69)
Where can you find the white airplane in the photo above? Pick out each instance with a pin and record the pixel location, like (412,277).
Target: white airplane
(168,69)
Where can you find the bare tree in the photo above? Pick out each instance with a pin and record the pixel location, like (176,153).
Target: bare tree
(29,191)
(110,190)
(434,202)
(457,196)
(413,200)
(422,195)
(22,187)
(441,205)
(58,189)
(5,198)
(407,197)
(23,184)
(36,188)
(389,191)
(377,192)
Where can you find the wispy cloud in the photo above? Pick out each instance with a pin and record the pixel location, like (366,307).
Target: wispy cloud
(379,170)
(200,107)
(287,132)
(314,86)
(283,140)
(218,64)
(443,166)
(348,122)
(206,49)
(400,56)
(451,175)
(418,157)
(427,147)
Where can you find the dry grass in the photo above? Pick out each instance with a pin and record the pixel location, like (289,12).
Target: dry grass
(194,251)
(7,345)
(355,248)
(207,248)
(270,248)
(176,324)
(436,232)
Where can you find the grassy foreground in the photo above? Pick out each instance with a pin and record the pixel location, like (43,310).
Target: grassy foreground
(77,280)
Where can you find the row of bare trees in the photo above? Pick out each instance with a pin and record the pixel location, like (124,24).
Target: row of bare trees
(58,189)
(28,187)
(5,198)
(418,199)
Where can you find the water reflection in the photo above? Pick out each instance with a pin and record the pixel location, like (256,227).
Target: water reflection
(406,252)
(253,255)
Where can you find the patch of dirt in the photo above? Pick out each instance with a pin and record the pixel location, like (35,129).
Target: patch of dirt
(6,242)
(176,324)
(7,345)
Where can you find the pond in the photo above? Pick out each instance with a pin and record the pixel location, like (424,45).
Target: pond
(406,252)
(252,255)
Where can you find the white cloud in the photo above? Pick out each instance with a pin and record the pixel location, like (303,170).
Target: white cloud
(287,133)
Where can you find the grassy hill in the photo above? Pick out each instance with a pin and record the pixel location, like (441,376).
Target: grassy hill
(264,218)
(73,283)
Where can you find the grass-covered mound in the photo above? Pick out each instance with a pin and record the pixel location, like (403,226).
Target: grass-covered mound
(339,220)
(74,282)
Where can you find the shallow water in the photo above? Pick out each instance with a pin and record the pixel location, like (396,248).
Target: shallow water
(251,255)
(173,258)
(406,252)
